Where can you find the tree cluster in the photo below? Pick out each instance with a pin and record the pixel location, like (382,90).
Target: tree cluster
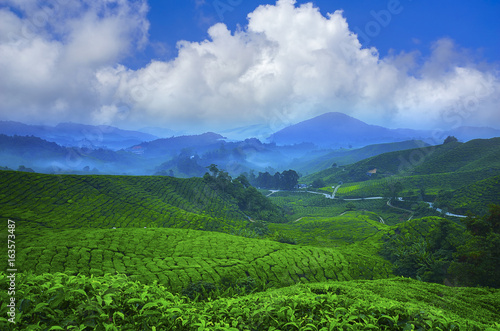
(450,139)
(249,200)
(444,252)
(477,261)
(287,180)
(425,250)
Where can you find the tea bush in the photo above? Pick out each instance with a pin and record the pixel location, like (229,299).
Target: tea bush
(62,302)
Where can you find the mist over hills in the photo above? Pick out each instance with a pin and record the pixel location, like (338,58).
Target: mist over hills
(78,135)
(173,145)
(309,146)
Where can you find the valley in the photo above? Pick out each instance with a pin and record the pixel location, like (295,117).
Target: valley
(387,240)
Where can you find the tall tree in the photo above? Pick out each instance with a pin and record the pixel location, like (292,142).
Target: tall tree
(290,179)
(265,180)
(277,180)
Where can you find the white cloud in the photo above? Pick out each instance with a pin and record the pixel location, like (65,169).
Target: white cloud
(51,52)
(288,64)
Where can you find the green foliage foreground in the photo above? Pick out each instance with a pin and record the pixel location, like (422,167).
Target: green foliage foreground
(62,302)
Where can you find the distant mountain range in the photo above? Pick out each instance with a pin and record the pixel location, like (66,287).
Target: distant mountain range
(49,157)
(337,130)
(78,135)
(174,145)
(307,147)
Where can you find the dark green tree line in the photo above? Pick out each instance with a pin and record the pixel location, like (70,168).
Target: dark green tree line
(477,261)
(287,180)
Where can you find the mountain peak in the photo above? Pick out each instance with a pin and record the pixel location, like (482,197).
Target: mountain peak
(333,129)
(333,115)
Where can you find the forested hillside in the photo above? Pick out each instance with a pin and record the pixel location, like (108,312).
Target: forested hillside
(474,198)
(475,155)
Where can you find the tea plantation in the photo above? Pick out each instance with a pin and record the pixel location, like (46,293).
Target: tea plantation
(41,202)
(177,257)
(161,253)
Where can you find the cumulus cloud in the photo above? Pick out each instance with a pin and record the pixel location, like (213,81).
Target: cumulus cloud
(52,51)
(288,64)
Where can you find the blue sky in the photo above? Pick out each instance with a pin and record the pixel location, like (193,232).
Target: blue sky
(471,24)
(198,65)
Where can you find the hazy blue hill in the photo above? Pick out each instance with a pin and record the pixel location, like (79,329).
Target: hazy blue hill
(30,146)
(172,146)
(237,157)
(340,130)
(49,157)
(334,129)
(12,128)
(160,132)
(234,157)
(78,135)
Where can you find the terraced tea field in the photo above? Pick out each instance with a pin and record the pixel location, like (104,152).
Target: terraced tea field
(431,183)
(339,231)
(48,202)
(177,257)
